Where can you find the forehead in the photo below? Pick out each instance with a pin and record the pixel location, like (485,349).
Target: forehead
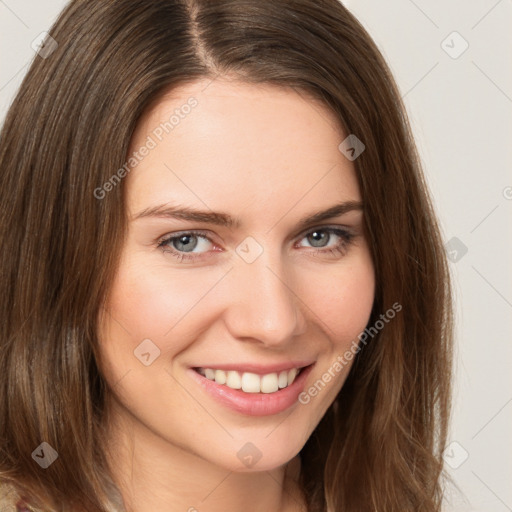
(229,144)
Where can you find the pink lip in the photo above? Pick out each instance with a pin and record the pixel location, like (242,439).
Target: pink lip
(257,368)
(254,404)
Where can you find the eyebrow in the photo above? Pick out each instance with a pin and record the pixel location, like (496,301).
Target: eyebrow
(226,220)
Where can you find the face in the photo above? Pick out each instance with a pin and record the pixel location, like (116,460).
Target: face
(232,302)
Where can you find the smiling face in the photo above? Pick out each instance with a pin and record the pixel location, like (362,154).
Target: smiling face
(244,294)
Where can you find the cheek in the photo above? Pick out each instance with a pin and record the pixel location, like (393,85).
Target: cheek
(342,300)
(153,300)
(342,304)
(172,306)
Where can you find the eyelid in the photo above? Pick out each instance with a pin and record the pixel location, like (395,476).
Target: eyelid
(207,234)
(177,234)
(324,226)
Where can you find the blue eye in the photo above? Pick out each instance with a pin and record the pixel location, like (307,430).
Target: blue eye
(322,236)
(182,245)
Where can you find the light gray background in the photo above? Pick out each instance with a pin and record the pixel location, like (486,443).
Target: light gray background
(460,109)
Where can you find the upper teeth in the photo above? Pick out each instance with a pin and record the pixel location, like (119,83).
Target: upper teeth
(251,382)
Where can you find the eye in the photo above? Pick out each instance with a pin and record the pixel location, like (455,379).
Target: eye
(193,245)
(320,238)
(182,245)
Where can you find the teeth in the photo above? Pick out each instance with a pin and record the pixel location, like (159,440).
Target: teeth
(292,374)
(283,379)
(233,380)
(251,382)
(269,383)
(220,377)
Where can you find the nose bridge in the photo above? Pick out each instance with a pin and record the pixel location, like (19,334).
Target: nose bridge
(262,305)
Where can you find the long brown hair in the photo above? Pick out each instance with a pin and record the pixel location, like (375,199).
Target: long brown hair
(68,131)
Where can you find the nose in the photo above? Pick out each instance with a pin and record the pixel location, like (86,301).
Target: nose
(263,306)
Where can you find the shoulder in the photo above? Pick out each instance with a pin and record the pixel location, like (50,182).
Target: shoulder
(9,498)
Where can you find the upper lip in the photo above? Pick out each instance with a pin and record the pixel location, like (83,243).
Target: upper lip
(257,368)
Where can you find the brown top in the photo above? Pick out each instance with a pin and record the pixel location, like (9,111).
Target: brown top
(11,501)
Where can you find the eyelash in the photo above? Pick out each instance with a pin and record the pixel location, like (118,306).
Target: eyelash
(337,250)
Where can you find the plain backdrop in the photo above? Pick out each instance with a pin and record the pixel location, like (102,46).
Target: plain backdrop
(452,61)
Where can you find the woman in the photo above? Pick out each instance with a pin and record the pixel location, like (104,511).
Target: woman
(224,282)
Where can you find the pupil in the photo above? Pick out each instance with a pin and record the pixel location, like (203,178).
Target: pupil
(185,241)
(315,236)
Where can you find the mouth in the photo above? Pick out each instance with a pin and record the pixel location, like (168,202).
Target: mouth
(250,382)
(258,392)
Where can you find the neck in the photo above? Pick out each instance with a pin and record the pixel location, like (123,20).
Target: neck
(155,475)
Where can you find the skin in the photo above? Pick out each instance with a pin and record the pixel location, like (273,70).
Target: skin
(269,156)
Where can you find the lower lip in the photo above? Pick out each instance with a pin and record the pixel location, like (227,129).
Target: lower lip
(254,404)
